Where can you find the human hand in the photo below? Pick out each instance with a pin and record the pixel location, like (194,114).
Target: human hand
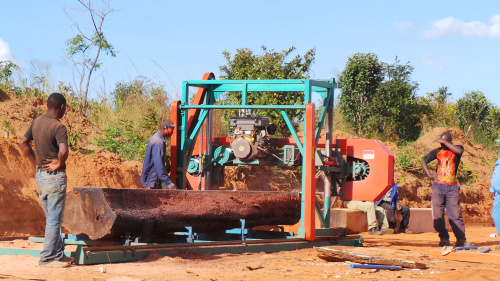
(398,206)
(492,195)
(52,166)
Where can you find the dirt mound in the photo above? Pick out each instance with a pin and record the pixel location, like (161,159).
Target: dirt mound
(474,176)
(17,114)
(21,212)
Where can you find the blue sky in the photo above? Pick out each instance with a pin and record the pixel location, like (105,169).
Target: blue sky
(449,43)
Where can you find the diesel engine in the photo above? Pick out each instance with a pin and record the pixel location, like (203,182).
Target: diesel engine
(251,137)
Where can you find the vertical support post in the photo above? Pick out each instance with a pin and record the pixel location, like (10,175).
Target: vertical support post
(174,141)
(208,154)
(328,153)
(309,184)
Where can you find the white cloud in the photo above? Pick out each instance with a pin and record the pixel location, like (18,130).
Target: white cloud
(402,25)
(451,26)
(5,53)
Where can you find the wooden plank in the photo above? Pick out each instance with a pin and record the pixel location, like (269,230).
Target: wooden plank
(342,255)
(467,256)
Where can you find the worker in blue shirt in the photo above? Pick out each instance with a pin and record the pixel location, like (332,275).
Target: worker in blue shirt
(154,171)
(390,202)
(495,195)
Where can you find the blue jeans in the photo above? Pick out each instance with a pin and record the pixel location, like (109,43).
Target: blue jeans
(51,189)
(447,196)
(495,213)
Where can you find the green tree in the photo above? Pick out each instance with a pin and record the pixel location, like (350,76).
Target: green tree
(477,115)
(396,109)
(270,64)
(6,70)
(379,99)
(85,48)
(442,109)
(359,82)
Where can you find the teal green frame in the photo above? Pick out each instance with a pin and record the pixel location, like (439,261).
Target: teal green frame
(215,88)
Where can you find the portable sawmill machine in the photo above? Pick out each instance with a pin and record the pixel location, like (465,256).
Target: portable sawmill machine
(354,169)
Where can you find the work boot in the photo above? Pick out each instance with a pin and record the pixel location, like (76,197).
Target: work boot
(444,242)
(374,231)
(54,264)
(67,259)
(387,231)
(406,230)
(462,243)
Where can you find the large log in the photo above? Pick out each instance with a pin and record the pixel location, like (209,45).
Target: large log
(111,212)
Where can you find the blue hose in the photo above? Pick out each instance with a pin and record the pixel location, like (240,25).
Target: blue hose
(376,266)
(466,248)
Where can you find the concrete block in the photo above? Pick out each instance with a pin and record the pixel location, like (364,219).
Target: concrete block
(421,220)
(355,221)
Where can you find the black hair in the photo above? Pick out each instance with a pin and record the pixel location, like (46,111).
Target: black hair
(448,135)
(56,100)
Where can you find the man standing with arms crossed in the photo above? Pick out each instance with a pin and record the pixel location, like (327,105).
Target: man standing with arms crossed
(51,151)
(445,191)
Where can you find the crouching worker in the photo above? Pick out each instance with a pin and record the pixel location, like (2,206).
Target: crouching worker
(375,216)
(390,202)
(154,170)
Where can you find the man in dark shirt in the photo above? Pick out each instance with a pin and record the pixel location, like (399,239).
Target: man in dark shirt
(390,202)
(154,174)
(51,151)
(445,191)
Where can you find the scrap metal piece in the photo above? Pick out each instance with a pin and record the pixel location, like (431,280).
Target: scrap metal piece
(112,213)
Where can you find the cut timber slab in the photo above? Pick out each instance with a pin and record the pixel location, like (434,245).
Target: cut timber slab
(113,212)
(341,254)
(468,256)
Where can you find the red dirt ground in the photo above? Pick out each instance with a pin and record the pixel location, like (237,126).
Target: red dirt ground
(290,265)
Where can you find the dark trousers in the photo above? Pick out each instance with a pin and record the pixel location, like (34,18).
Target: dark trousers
(447,197)
(391,215)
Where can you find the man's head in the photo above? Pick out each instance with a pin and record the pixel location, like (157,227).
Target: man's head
(447,137)
(56,104)
(166,127)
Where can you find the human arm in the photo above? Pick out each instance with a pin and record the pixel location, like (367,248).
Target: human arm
(157,155)
(454,148)
(62,156)
(25,145)
(495,180)
(395,197)
(426,169)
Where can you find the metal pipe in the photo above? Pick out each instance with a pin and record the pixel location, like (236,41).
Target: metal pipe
(376,266)
(238,106)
